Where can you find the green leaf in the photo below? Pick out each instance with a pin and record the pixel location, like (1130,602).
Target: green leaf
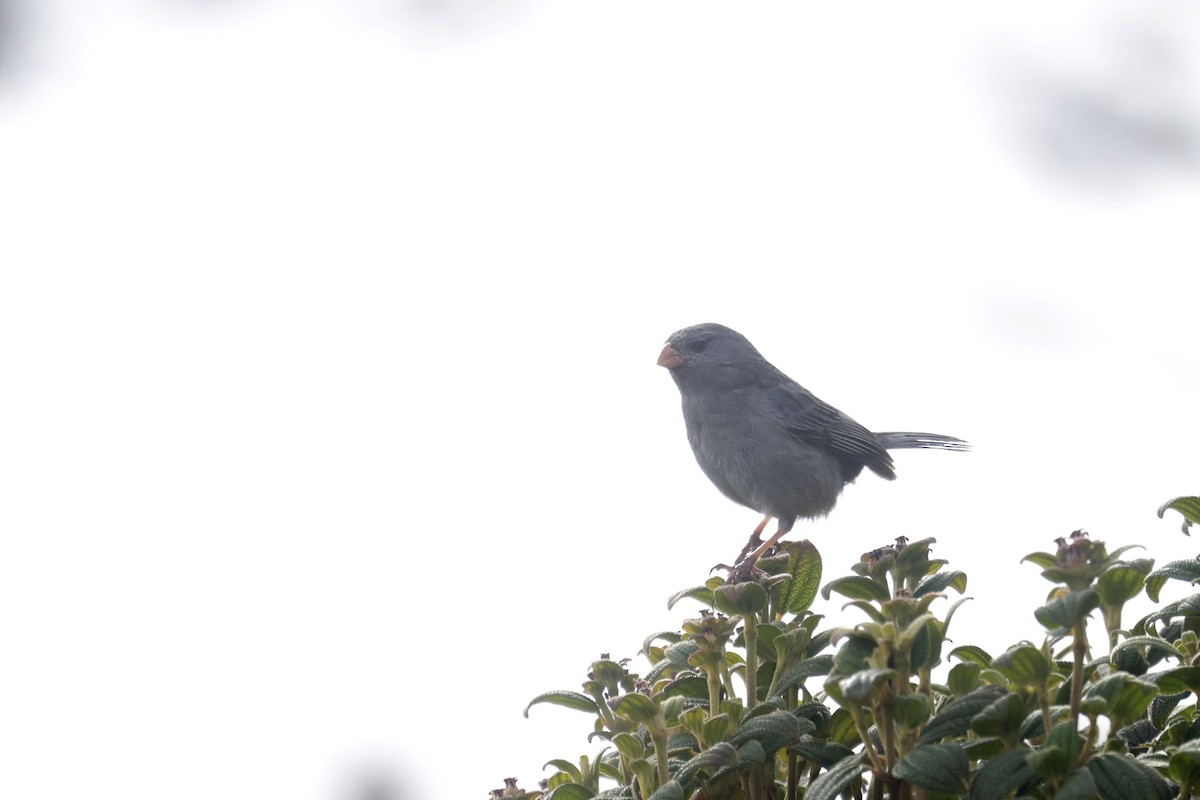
(999,777)
(971,653)
(1063,613)
(671,790)
(955,717)
(677,655)
(852,655)
(941,581)
(1024,665)
(1034,726)
(1180,570)
(963,678)
(670,636)
(564,766)
(743,598)
(716,729)
(1126,695)
(817,665)
(1065,736)
(1119,583)
(1187,607)
(824,753)
(1003,717)
(571,791)
(635,707)
(860,686)
(937,767)
(1049,762)
(1079,785)
(910,710)
(797,594)
(1151,643)
(702,593)
(575,700)
(1120,777)
(1161,708)
(1184,766)
(856,587)
(751,752)
(1042,559)
(1189,507)
(692,686)
(830,785)
(1180,679)
(867,608)
(842,728)
(773,730)
(926,648)
(629,746)
(715,759)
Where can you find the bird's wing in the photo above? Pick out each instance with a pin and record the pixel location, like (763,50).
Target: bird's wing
(817,423)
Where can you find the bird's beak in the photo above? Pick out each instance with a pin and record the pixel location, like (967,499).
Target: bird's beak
(670,358)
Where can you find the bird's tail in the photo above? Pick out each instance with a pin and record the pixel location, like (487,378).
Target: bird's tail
(907,440)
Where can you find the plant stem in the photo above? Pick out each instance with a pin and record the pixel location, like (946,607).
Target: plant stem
(1079,653)
(714,690)
(1044,701)
(751,634)
(660,755)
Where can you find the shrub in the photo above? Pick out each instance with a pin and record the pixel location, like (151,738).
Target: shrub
(854,710)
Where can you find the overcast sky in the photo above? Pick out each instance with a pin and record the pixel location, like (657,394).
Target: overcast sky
(332,430)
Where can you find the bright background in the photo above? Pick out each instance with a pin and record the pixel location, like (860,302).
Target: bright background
(331,427)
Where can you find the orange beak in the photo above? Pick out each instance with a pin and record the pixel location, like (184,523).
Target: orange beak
(670,357)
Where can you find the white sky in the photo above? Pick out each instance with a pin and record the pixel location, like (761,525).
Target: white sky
(327,331)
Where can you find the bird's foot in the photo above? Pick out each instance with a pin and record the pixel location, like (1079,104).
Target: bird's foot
(745,570)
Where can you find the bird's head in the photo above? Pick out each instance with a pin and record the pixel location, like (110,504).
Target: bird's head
(709,354)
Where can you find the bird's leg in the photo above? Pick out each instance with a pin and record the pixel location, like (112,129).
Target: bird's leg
(755,539)
(769,543)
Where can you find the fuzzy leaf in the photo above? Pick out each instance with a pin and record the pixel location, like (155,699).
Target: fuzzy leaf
(861,685)
(715,759)
(740,598)
(1119,584)
(826,754)
(941,581)
(963,678)
(773,731)
(671,790)
(856,587)
(1151,643)
(1189,507)
(817,665)
(1173,681)
(1024,665)
(1120,777)
(1065,612)
(1079,785)
(999,777)
(1184,766)
(575,700)
(702,593)
(830,785)
(634,707)
(971,653)
(804,570)
(1126,695)
(571,791)
(1003,717)
(955,717)
(937,767)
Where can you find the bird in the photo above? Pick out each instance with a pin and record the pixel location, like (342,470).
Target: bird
(764,440)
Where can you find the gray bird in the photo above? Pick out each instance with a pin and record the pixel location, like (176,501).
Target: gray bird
(767,442)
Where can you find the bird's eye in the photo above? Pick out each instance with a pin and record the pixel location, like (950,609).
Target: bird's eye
(698,346)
